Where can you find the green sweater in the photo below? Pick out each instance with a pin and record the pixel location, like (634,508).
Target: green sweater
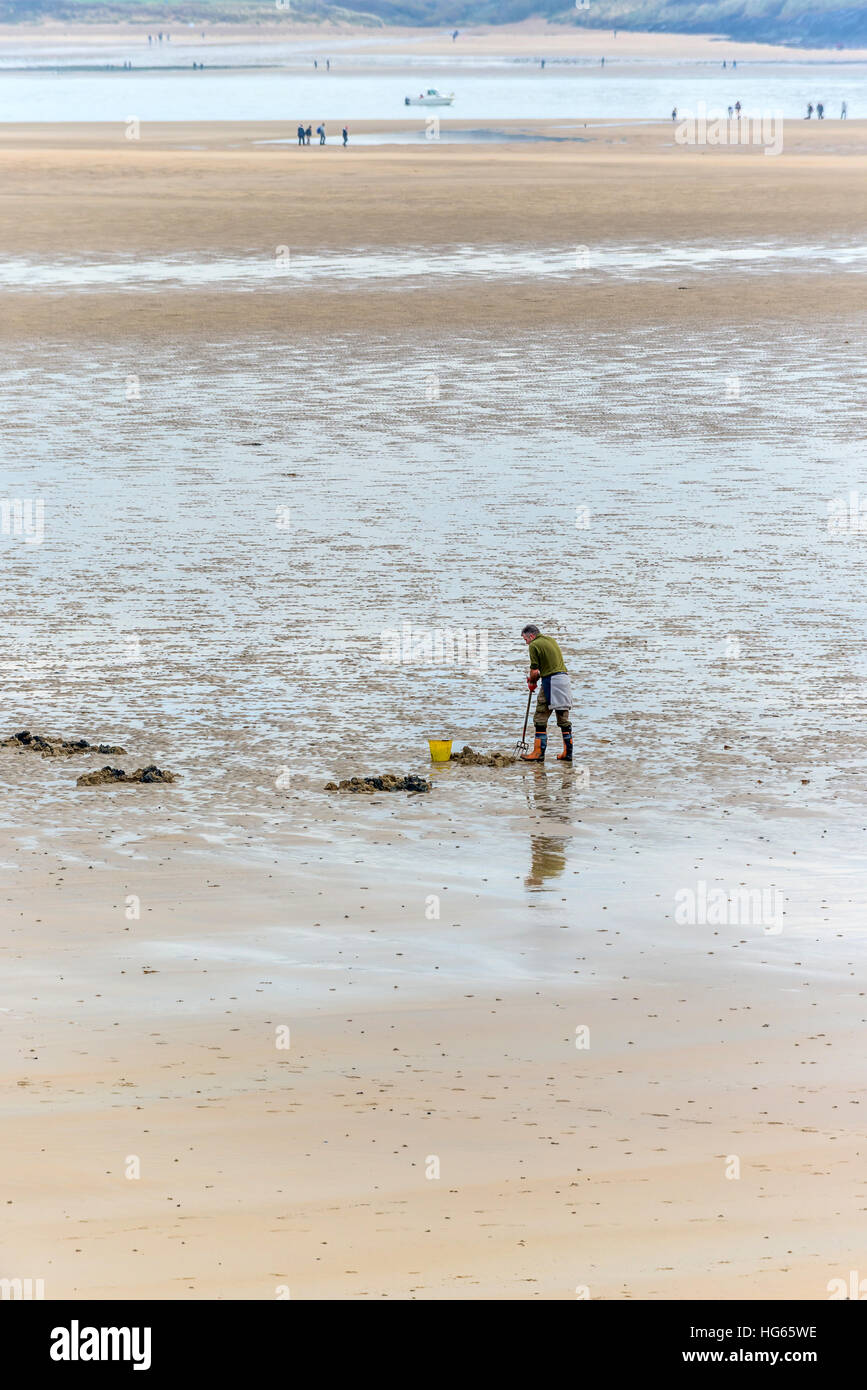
(546,656)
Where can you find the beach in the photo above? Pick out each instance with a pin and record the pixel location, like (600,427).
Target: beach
(487,1042)
(90,189)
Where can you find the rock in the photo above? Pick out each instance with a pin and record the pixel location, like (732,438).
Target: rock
(58,747)
(387,782)
(116,774)
(468,758)
(151,773)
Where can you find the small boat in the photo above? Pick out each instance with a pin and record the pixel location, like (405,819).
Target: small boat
(430,98)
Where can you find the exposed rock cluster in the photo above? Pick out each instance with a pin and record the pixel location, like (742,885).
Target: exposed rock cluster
(25,741)
(388,782)
(57,747)
(104,775)
(469,758)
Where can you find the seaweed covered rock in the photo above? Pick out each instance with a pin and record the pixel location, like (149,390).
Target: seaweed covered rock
(57,747)
(107,775)
(388,782)
(469,758)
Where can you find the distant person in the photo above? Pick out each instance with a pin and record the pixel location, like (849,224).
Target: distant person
(301,135)
(735,63)
(844,111)
(307,134)
(316,65)
(150,38)
(738,109)
(327,64)
(345,137)
(543,64)
(602,63)
(809,110)
(731,112)
(320,131)
(454,35)
(674,113)
(820,111)
(724,62)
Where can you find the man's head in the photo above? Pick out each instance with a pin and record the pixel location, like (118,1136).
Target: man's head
(529,633)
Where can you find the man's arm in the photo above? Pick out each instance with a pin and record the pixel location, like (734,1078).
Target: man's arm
(533,677)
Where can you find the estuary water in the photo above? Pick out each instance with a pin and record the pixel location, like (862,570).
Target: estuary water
(375,88)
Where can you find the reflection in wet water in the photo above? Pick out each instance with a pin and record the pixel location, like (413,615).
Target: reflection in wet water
(549,801)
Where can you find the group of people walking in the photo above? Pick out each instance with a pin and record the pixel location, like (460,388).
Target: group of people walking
(305,133)
(820,111)
(735,111)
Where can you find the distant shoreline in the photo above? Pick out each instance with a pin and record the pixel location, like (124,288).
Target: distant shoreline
(531,38)
(266,19)
(144,69)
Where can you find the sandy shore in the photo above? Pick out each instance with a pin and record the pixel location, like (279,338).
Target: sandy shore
(433,1131)
(529,38)
(86,191)
(608,1168)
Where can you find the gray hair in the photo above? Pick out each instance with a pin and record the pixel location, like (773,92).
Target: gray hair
(530,627)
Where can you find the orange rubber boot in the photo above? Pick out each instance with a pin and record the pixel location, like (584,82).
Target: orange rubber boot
(538,753)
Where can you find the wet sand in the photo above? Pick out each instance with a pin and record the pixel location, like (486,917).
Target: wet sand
(608,1167)
(433,1131)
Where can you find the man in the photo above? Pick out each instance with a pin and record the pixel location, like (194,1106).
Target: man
(547,665)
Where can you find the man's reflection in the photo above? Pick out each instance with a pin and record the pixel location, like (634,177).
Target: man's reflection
(549,804)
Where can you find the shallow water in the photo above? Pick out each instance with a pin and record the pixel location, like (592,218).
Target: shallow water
(656,500)
(229,529)
(414,267)
(515,90)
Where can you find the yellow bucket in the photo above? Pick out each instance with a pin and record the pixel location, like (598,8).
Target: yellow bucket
(440,749)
